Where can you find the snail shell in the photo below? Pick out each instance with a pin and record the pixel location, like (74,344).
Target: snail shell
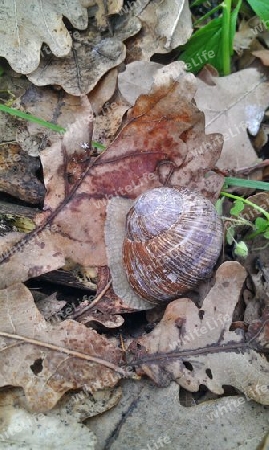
(173,240)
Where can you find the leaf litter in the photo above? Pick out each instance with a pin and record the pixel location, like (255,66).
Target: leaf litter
(242,365)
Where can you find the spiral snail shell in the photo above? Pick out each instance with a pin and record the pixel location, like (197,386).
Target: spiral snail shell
(173,240)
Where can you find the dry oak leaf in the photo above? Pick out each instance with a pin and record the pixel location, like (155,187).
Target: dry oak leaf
(166,25)
(91,57)
(23,430)
(48,360)
(25,26)
(157,144)
(194,346)
(234,106)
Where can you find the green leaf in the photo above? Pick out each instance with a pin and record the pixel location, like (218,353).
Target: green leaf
(238,206)
(98,145)
(266,234)
(246,183)
(197,3)
(230,235)
(241,249)
(204,47)
(261,8)
(261,224)
(219,206)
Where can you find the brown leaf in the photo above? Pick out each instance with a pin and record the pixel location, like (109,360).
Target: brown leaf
(54,106)
(18,174)
(258,332)
(103,91)
(263,55)
(157,145)
(48,360)
(166,25)
(234,106)
(196,347)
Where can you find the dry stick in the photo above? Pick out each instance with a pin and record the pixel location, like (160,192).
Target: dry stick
(190,353)
(93,303)
(65,350)
(248,170)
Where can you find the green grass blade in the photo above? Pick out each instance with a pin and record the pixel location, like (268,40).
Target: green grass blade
(31,118)
(253,184)
(44,123)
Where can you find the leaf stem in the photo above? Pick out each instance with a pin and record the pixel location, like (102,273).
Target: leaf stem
(247,202)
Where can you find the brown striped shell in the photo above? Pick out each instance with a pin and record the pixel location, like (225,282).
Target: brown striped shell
(173,240)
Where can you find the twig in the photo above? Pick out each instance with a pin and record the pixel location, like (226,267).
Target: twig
(24,339)
(78,311)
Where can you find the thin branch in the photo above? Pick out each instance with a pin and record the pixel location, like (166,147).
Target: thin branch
(56,348)
(78,311)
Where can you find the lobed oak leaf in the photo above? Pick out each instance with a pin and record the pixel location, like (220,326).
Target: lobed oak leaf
(25,26)
(162,142)
(93,55)
(48,360)
(195,346)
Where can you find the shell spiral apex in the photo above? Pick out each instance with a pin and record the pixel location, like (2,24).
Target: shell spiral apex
(173,240)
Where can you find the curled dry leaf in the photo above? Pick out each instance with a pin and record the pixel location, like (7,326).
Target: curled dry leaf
(196,347)
(162,142)
(48,360)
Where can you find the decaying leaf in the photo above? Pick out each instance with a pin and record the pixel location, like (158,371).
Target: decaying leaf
(21,430)
(162,142)
(103,91)
(195,347)
(234,106)
(81,405)
(18,174)
(243,37)
(154,418)
(91,57)
(166,25)
(48,360)
(24,26)
(258,332)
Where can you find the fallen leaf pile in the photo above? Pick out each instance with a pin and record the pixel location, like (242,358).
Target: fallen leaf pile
(158,141)
(77,60)
(162,141)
